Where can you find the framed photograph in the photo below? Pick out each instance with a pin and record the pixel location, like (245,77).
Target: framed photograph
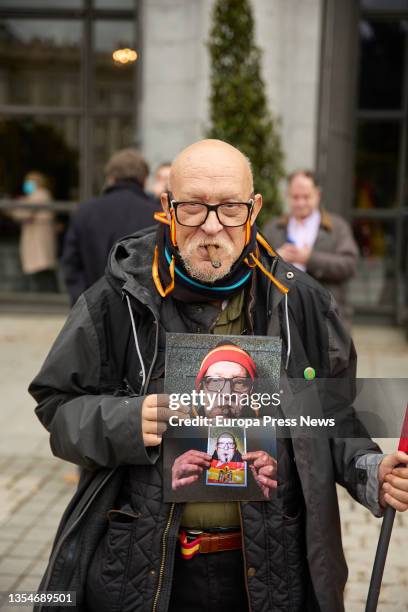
(220,444)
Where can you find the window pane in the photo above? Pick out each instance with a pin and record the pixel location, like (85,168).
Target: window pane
(40,62)
(382,46)
(384,5)
(114,4)
(405,183)
(29,267)
(375,280)
(49,145)
(114,79)
(376,173)
(110,134)
(39,4)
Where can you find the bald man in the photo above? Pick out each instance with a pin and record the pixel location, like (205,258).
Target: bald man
(99,393)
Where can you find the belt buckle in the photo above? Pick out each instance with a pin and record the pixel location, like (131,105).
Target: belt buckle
(193,534)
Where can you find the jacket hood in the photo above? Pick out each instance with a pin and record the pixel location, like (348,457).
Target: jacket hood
(129,265)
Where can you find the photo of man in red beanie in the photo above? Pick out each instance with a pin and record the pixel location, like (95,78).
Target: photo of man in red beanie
(226,376)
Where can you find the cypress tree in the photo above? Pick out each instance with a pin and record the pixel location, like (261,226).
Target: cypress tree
(238,106)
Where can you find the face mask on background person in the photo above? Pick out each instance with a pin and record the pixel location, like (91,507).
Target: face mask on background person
(29,187)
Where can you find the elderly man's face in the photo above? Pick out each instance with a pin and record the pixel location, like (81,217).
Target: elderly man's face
(225,448)
(220,382)
(211,172)
(303,196)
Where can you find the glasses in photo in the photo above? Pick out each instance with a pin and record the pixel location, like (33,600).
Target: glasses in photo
(229,214)
(226,445)
(237,384)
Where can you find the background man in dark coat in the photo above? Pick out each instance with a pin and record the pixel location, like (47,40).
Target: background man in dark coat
(314,240)
(123,208)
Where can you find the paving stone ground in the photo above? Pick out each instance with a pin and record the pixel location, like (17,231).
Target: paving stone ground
(34,491)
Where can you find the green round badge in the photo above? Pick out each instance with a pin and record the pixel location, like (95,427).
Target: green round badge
(309,373)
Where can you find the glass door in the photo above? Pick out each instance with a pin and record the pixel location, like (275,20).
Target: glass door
(380,179)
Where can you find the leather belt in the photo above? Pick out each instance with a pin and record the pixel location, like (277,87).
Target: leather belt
(208,542)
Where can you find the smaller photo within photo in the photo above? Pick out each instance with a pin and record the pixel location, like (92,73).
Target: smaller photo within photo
(226,447)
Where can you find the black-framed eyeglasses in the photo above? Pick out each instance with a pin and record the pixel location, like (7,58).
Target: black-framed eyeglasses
(238,384)
(226,445)
(192,213)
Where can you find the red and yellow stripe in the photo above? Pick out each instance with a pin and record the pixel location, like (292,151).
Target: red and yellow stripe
(188,549)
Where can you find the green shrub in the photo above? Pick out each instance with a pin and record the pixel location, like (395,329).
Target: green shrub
(238,107)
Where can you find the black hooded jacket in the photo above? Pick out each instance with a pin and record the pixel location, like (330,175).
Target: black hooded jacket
(89,394)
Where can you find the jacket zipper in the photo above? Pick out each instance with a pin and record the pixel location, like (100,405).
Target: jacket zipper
(167,528)
(244,557)
(163,558)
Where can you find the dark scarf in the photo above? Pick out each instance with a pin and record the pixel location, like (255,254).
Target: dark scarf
(192,290)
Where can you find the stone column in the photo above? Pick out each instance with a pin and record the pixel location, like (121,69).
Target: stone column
(289,33)
(335,158)
(174,80)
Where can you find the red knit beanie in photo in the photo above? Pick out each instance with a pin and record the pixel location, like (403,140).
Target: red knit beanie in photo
(226,352)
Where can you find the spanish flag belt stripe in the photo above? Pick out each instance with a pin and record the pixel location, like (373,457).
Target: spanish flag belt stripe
(188,549)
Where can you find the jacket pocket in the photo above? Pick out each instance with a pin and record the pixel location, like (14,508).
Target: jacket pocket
(122,519)
(107,576)
(291,519)
(118,550)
